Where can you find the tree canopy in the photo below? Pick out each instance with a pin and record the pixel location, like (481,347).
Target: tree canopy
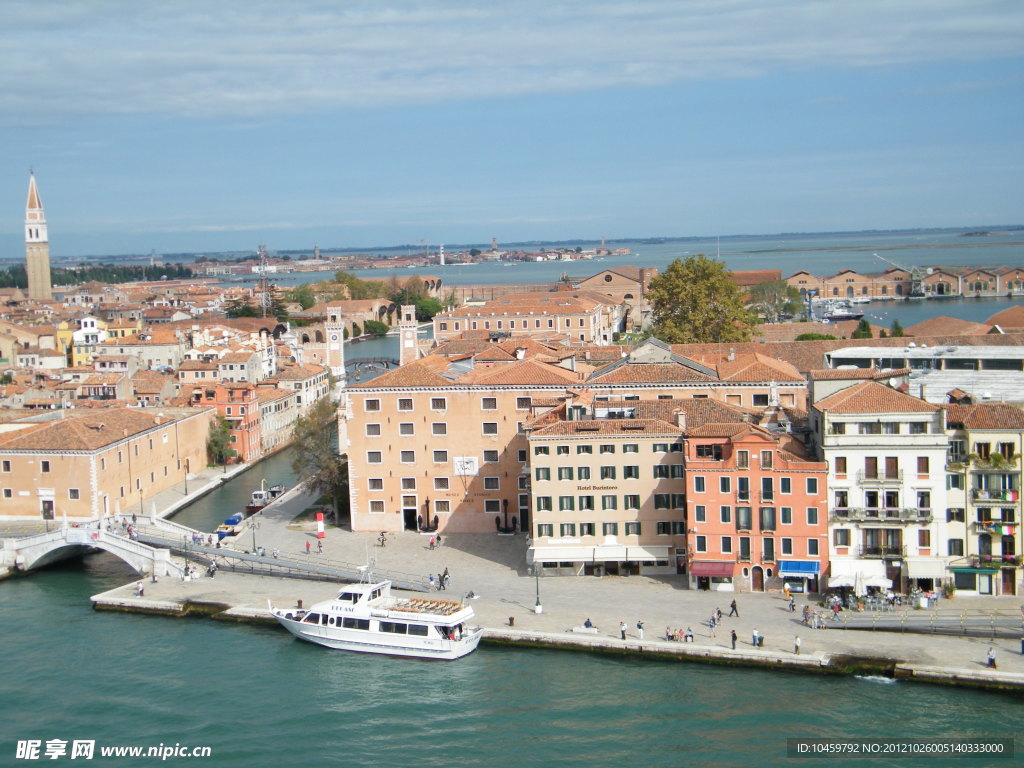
(774,298)
(316,460)
(696,301)
(218,441)
(863,330)
(815,337)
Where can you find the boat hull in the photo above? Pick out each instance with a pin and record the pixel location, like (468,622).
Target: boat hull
(366,641)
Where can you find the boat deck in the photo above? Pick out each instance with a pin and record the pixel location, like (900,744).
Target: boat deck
(427,605)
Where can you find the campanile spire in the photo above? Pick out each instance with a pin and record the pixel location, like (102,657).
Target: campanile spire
(37,246)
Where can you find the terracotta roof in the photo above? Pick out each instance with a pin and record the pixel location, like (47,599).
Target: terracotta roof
(937,326)
(872,397)
(984,416)
(299,372)
(525,373)
(649,373)
(841,374)
(608,427)
(420,373)
(1012,317)
(87,430)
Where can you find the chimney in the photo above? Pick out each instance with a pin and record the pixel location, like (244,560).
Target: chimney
(681,420)
(520,353)
(732,354)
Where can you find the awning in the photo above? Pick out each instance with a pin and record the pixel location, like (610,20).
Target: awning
(987,571)
(925,568)
(835,582)
(803,568)
(637,554)
(878,582)
(866,569)
(710,568)
(561,554)
(602,554)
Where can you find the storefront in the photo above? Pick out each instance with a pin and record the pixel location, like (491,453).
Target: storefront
(800,575)
(925,573)
(603,560)
(712,575)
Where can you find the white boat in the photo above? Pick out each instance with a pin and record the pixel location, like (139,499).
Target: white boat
(367,618)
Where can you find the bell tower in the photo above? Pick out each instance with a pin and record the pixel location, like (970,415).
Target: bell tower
(37,246)
(408,331)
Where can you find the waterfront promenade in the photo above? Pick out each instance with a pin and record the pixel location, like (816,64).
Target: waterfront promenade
(494,567)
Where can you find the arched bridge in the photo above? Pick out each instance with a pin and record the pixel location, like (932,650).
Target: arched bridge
(35,551)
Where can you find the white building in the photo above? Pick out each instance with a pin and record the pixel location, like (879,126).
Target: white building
(886,455)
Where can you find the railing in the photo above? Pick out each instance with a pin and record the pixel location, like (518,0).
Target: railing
(882,514)
(900,551)
(993,561)
(879,478)
(970,622)
(994,496)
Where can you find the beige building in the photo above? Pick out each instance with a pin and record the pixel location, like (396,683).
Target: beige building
(583,316)
(85,464)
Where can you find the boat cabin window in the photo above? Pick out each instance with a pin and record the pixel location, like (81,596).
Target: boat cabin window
(420,630)
(349,597)
(312,618)
(375,594)
(350,623)
(393,627)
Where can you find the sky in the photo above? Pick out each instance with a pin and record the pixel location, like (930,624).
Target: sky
(212,126)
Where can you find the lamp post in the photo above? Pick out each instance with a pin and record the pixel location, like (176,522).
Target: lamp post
(255,524)
(186,477)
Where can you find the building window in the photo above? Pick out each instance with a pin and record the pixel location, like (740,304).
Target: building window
(608,473)
(607,449)
(490,427)
(561,450)
(812,486)
(440,457)
(438,403)
(709,452)
(492,505)
(373,430)
(489,404)
(785,485)
(924,539)
(631,501)
(922,465)
(698,484)
(8,493)
(585,449)
(632,529)
(661,501)
(609,501)
(726,545)
(725,484)
(661,447)
(376,507)
(586,502)
(439,428)
(543,503)
(407,457)
(406,429)
(787,547)
(662,528)
(541,450)
(586,529)
(630,448)
(726,513)
(492,484)
(631,473)
(371,405)
(408,483)
(523,403)
(742,459)
(610,529)
(660,471)
(956,547)
(812,515)
(545,529)
(840,462)
(812,547)
(841,537)
(375,483)
(542,473)
(567,529)
(45,465)
(701,544)
(566,503)
(6,465)
(700,514)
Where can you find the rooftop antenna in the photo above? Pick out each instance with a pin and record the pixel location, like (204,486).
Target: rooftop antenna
(264,286)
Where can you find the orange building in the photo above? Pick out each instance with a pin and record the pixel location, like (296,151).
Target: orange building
(757,510)
(239,404)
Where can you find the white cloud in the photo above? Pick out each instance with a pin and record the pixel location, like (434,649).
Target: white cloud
(255,57)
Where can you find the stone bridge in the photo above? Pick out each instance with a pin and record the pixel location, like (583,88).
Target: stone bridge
(27,553)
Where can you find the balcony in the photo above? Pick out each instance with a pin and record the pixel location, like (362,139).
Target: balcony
(881,514)
(993,561)
(995,496)
(900,551)
(880,478)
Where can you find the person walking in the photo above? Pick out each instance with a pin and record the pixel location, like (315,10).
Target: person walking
(622,629)
(307,547)
(733,635)
(640,629)
(712,623)
(433,541)
(445,578)
(319,546)
(754,636)
(991,664)
(440,582)
(382,540)
(438,542)
(734,611)
(792,604)
(796,645)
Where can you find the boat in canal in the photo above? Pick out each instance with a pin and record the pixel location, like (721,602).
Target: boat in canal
(367,618)
(232,526)
(260,498)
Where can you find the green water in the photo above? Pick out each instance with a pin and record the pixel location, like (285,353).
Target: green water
(258,697)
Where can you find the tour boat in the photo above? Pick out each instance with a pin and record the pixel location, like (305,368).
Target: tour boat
(259,499)
(367,618)
(843,314)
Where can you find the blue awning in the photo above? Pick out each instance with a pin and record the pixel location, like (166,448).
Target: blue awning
(804,568)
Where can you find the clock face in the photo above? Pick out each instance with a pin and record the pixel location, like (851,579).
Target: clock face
(334,337)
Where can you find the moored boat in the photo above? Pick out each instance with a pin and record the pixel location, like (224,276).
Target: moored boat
(259,499)
(368,619)
(230,527)
(843,314)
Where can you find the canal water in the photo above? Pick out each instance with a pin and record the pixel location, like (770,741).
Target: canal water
(258,697)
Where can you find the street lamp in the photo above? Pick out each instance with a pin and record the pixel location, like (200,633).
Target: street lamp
(186,477)
(255,524)
(538,608)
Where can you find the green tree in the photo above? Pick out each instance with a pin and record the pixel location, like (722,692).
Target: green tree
(316,461)
(356,330)
(474,252)
(863,330)
(815,337)
(218,442)
(360,289)
(302,295)
(240,308)
(896,330)
(774,298)
(376,328)
(696,301)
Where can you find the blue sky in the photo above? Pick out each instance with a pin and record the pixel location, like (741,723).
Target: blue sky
(199,126)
